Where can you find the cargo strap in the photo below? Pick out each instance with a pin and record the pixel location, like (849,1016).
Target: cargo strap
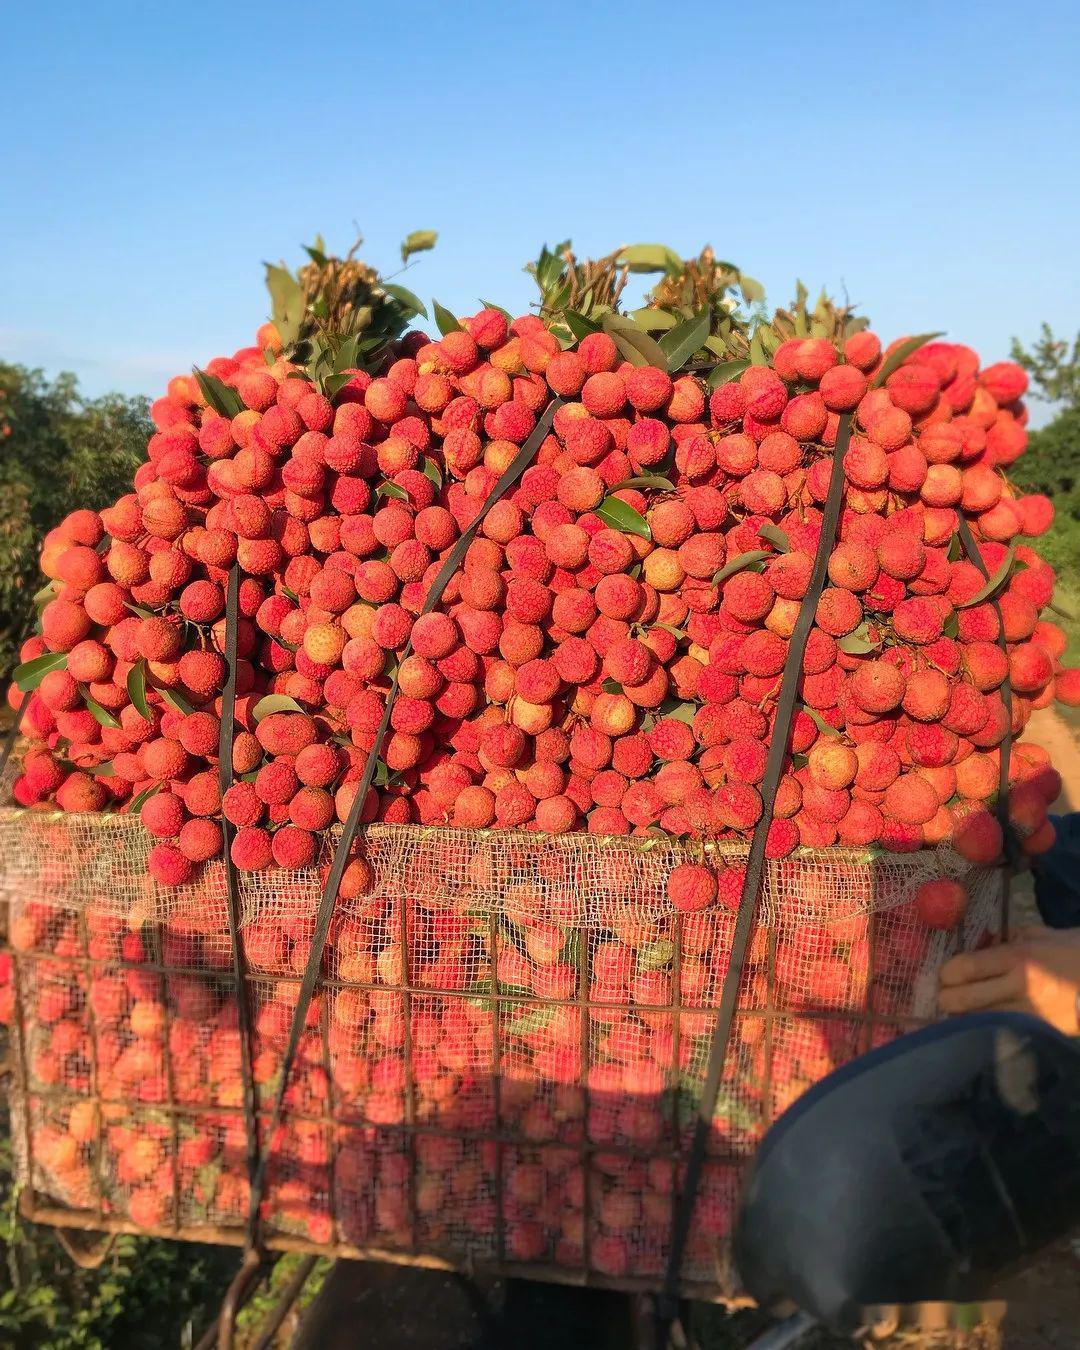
(668,1302)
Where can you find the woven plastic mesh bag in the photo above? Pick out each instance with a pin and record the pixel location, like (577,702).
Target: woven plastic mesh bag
(504,1058)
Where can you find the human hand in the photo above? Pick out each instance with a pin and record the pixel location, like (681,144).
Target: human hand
(1037,972)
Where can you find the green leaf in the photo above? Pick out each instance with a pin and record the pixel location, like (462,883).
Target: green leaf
(417,242)
(654,320)
(219,395)
(287,303)
(680,344)
(897,358)
(1060,610)
(274,703)
(612,687)
(431,471)
(826,728)
(775,536)
(490,304)
(143,797)
(105,770)
(740,563)
(30,674)
(445,322)
(995,583)
(99,713)
(951,626)
(650,258)
(646,480)
(858,643)
(579,325)
(175,701)
(752,290)
(656,955)
(47,593)
(316,255)
(956,548)
(679,633)
(681,712)
(757,348)
(405,298)
(619,515)
(529,1023)
(136,688)
(727,371)
(392,490)
(799,760)
(636,346)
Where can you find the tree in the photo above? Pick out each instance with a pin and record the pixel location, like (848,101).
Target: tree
(58,451)
(1054,366)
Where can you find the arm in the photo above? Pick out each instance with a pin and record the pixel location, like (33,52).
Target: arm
(1038,972)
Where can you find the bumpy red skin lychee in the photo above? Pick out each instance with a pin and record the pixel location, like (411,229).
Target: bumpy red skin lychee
(692,887)
(941,903)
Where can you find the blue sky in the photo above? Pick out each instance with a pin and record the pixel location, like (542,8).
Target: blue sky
(921,156)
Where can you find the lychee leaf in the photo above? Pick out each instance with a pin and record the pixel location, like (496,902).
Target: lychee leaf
(531,1022)
(417,242)
(654,320)
(650,258)
(681,712)
(287,303)
(405,298)
(670,628)
(571,952)
(47,593)
(274,703)
(445,322)
(144,796)
(178,704)
(431,471)
(620,515)
(136,688)
(220,396)
(951,627)
(646,481)
(752,290)
(30,674)
(858,643)
(248,777)
(994,584)
(684,340)
(635,344)
(740,563)
(956,549)
(897,358)
(826,728)
(392,490)
(99,714)
(757,348)
(490,304)
(775,536)
(656,955)
(105,770)
(1060,610)
(799,761)
(612,687)
(727,371)
(580,326)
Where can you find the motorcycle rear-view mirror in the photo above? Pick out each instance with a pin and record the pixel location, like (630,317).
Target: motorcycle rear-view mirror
(918,1173)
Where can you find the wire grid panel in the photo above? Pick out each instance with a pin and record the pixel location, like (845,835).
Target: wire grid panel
(503,1061)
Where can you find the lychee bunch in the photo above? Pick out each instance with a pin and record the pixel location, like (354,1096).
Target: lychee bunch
(608,655)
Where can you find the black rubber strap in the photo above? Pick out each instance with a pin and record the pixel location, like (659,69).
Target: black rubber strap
(245,1020)
(510,476)
(668,1303)
(1010,845)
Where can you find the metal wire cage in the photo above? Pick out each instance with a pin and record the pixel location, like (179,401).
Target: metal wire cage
(503,1062)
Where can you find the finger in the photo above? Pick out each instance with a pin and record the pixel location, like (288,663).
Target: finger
(971,966)
(982,994)
(1035,932)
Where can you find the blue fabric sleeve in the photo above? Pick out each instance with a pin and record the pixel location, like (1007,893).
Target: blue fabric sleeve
(1057,875)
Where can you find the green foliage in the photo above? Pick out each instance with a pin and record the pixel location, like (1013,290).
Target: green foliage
(58,451)
(141,1298)
(1054,366)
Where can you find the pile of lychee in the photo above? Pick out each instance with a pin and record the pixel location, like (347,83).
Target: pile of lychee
(609,654)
